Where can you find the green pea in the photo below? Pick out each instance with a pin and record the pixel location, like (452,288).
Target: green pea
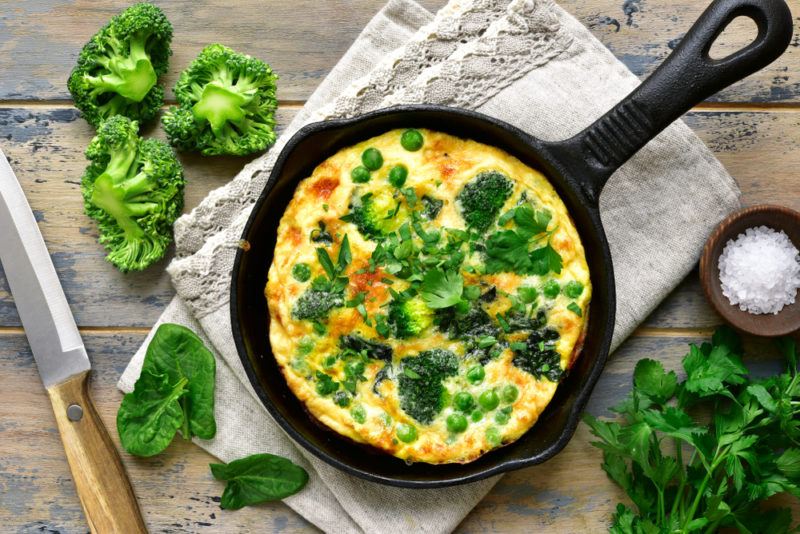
(510,393)
(412,140)
(527,294)
(476,374)
(372,159)
(551,289)
(456,423)
(360,175)
(501,418)
(489,400)
(493,436)
(398,175)
(359,414)
(573,289)
(464,401)
(301,272)
(406,433)
(476,416)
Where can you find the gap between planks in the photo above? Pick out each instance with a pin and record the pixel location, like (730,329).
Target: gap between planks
(705,107)
(144,330)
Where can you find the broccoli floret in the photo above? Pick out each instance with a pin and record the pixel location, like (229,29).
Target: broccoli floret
(420,383)
(539,357)
(377,214)
(373,349)
(133,188)
(481,199)
(315,303)
(227,104)
(410,317)
(118,68)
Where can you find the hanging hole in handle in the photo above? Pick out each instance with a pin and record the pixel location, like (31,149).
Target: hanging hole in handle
(737,35)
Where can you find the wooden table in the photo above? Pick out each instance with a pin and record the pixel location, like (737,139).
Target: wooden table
(753,127)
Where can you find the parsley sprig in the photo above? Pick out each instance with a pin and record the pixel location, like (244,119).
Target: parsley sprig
(509,250)
(687,475)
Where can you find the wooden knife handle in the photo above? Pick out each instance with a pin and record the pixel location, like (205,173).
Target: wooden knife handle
(103,487)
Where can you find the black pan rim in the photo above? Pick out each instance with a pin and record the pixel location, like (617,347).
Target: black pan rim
(583,394)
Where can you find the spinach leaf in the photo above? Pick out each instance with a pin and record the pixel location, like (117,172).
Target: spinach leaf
(174,391)
(258,478)
(149,417)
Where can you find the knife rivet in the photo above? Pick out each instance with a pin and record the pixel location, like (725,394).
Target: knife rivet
(74,412)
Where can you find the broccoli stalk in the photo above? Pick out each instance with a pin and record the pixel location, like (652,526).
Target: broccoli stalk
(133,188)
(227,104)
(118,68)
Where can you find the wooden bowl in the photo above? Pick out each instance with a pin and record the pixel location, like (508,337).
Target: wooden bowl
(776,217)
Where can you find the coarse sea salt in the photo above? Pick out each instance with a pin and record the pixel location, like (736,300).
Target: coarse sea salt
(760,270)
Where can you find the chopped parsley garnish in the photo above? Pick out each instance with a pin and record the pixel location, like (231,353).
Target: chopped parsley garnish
(516,251)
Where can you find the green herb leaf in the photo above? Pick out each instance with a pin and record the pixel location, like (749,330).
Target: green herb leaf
(651,380)
(326,262)
(258,478)
(441,289)
(174,391)
(544,260)
(345,256)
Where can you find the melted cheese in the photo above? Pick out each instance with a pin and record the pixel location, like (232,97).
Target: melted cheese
(439,170)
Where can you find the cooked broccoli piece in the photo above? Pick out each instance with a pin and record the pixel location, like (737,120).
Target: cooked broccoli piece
(377,214)
(410,317)
(227,104)
(373,349)
(133,188)
(539,357)
(118,68)
(420,383)
(481,199)
(315,303)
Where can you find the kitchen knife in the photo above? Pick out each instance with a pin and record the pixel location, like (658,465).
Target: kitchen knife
(103,487)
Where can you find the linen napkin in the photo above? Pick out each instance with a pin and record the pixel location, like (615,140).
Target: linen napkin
(524,61)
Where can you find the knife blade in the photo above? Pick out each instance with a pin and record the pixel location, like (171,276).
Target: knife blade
(105,492)
(52,334)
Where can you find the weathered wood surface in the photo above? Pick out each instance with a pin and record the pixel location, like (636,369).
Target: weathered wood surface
(45,145)
(753,127)
(42,38)
(178,494)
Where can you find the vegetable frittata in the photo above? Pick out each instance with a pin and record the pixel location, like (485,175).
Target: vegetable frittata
(427,295)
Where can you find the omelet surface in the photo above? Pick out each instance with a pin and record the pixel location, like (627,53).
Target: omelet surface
(427,295)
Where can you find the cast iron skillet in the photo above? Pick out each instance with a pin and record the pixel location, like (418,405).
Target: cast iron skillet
(577,167)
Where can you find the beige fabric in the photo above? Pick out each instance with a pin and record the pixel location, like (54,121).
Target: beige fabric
(554,79)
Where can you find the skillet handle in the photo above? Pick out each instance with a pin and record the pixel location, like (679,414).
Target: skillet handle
(687,77)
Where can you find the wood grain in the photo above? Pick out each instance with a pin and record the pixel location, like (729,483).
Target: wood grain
(40,39)
(102,484)
(177,493)
(752,127)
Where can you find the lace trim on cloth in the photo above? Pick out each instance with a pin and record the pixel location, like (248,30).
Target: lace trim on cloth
(457,23)
(527,36)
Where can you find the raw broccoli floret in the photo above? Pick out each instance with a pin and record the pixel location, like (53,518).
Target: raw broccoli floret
(481,199)
(377,214)
(420,383)
(410,317)
(133,188)
(118,68)
(227,104)
(315,304)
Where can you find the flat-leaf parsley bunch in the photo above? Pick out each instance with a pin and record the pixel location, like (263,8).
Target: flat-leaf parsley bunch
(686,475)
